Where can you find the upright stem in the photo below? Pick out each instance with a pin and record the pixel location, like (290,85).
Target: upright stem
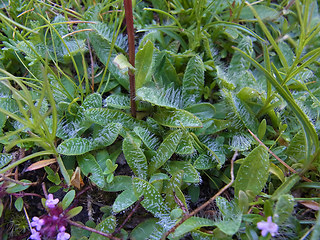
(130,32)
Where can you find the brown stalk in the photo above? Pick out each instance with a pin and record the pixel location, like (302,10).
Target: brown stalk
(92,67)
(194,212)
(130,33)
(276,157)
(129,216)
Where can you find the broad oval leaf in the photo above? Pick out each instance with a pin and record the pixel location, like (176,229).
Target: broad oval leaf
(190,175)
(107,135)
(136,159)
(231,221)
(152,202)
(119,101)
(124,200)
(68,198)
(93,100)
(164,97)
(88,164)
(144,229)
(177,118)
(75,146)
(284,208)
(107,225)
(191,224)
(253,172)
(148,138)
(103,116)
(119,183)
(165,151)
(5,159)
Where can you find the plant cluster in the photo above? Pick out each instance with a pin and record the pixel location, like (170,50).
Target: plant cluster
(159,119)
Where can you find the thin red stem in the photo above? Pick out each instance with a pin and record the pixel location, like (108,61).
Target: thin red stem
(130,32)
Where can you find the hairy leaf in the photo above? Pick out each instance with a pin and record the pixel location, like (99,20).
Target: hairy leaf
(135,157)
(231,215)
(177,118)
(165,151)
(75,146)
(152,202)
(107,225)
(193,81)
(124,200)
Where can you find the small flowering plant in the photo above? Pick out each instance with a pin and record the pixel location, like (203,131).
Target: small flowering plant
(53,225)
(268,227)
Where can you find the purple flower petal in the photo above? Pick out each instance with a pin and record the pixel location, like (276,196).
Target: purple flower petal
(51,203)
(63,236)
(268,227)
(37,223)
(35,235)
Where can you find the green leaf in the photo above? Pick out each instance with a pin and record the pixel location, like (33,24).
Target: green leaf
(14,188)
(93,100)
(186,144)
(296,151)
(1,208)
(177,118)
(239,113)
(68,198)
(203,111)
(107,226)
(204,162)
(18,204)
(102,49)
(135,157)
(144,64)
(165,150)
(149,139)
(276,171)
(193,81)
(285,187)
(119,183)
(124,200)
(75,146)
(164,97)
(262,129)
(191,224)
(106,136)
(284,208)
(231,216)
(191,175)
(5,158)
(165,73)
(103,116)
(88,164)
(253,172)
(152,202)
(119,101)
(74,211)
(144,229)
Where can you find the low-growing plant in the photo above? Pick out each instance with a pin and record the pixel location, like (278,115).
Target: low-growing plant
(207,129)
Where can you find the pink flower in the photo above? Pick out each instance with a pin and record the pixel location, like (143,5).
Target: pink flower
(268,227)
(51,203)
(35,235)
(62,235)
(37,223)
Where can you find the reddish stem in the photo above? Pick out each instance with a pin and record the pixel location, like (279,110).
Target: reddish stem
(130,33)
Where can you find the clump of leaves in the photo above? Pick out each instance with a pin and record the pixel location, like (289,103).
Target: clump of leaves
(216,83)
